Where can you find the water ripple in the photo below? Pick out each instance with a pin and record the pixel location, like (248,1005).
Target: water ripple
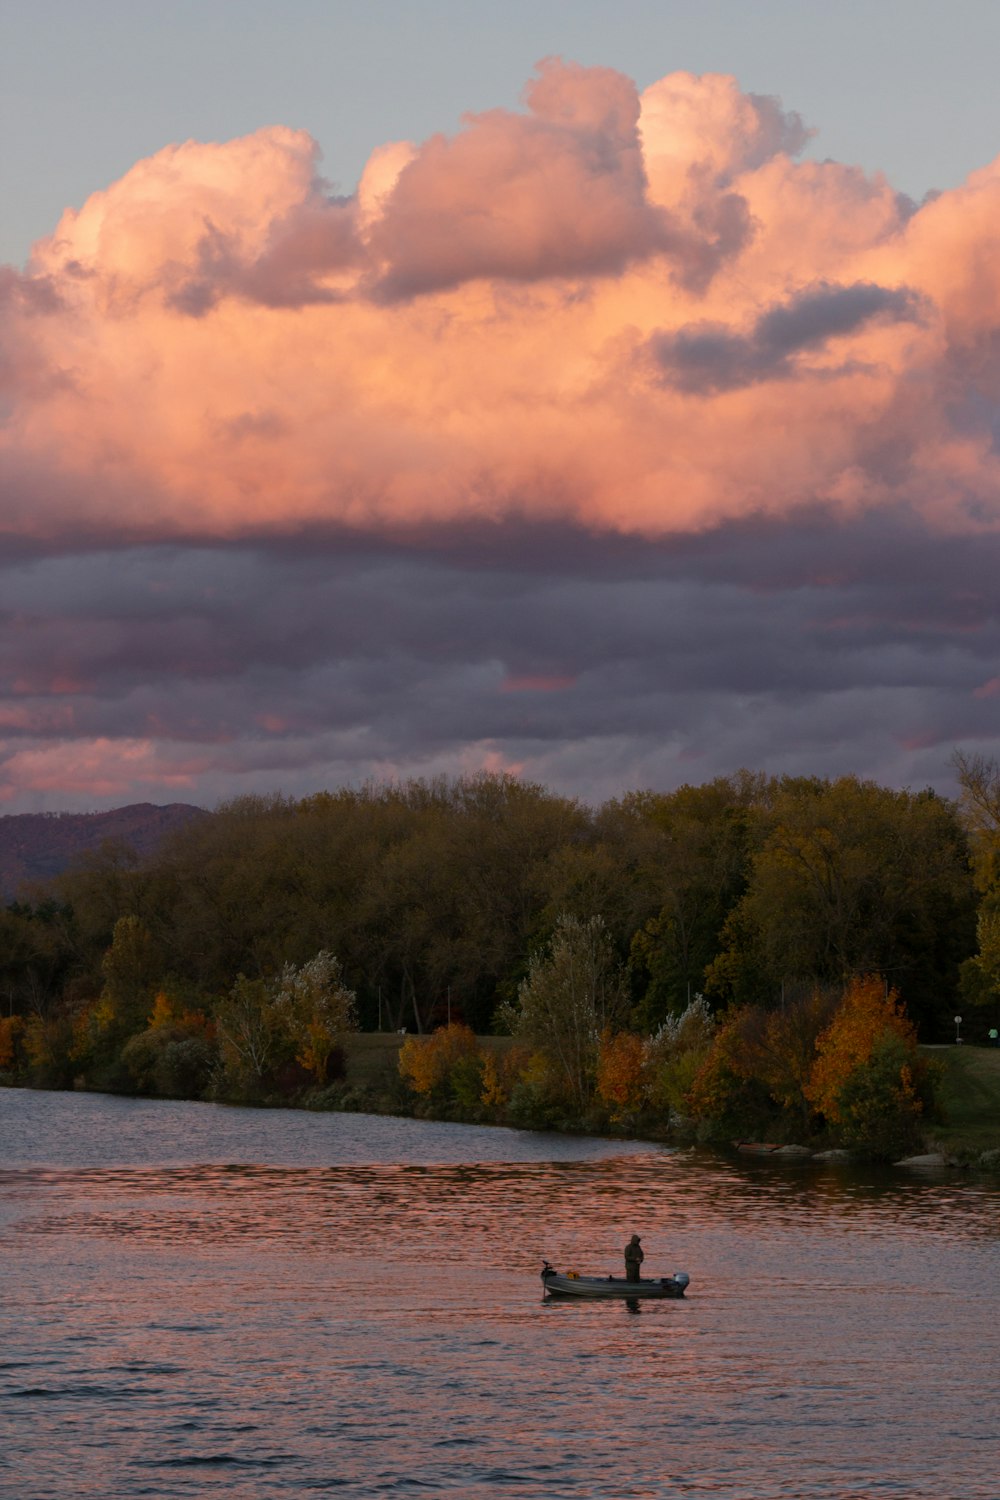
(290,1326)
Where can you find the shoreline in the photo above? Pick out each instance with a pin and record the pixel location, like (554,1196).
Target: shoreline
(958,1156)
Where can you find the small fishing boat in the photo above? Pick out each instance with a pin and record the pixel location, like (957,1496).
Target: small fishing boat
(570,1284)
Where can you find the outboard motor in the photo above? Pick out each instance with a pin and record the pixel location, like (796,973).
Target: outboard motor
(681,1278)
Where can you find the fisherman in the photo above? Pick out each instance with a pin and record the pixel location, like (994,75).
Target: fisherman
(633,1259)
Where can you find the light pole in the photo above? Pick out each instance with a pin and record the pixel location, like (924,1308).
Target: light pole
(958,1032)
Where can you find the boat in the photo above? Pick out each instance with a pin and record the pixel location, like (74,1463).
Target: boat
(570,1284)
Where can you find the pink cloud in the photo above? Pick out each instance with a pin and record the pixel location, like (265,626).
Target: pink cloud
(502,324)
(987,689)
(558,191)
(99,768)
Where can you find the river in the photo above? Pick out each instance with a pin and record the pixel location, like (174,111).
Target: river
(202,1301)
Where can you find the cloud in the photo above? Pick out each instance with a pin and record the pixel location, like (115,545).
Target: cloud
(707,358)
(605,437)
(804,647)
(218,346)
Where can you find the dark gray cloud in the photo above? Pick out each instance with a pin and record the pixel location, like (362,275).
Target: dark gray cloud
(821,647)
(705,358)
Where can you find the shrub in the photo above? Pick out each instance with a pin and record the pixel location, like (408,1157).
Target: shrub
(879,1107)
(445,1067)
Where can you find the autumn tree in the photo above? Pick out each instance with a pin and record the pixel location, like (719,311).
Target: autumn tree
(762,1061)
(11,1030)
(724,1097)
(447,1065)
(868,1079)
(131,968)
(249,1032)
(675,1053)
(621,1074)
(777,1048)
(176,1054)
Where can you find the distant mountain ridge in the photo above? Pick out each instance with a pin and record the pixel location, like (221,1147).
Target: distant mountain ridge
(38,846)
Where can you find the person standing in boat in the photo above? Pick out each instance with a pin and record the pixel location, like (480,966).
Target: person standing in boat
(633,1258)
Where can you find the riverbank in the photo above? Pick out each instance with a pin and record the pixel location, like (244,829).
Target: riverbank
(968,1131)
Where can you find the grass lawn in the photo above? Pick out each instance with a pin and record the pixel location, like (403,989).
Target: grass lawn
(970,1097)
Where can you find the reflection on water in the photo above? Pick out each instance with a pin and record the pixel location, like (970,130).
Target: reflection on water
(208,1302)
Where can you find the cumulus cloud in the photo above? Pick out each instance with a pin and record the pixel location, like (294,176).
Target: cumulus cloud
(603,437)
(461,339)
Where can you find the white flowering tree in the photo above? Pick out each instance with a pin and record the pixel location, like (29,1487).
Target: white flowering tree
(315,1008)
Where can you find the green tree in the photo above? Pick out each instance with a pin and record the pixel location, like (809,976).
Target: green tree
(697,873)
(131,968)
(573,993)
(848,878)
(251,1038)
(979,781)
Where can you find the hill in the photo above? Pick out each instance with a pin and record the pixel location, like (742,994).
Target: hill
(37,846)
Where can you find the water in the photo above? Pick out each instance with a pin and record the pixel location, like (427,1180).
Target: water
(197,1301)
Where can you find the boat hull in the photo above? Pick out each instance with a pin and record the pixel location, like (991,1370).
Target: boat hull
(558,1285)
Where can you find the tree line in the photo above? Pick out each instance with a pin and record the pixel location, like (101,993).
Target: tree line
(438,901)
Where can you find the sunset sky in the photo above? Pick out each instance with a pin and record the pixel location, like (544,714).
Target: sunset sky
(610,394)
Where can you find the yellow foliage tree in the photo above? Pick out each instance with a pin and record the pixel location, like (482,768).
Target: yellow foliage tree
(162,1013)
(427,1063)
(494,1095)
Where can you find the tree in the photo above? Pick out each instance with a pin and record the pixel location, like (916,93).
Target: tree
(621,1073)
(777,1048)
(881,1104)
(433,1066)
(867,1011)
(696,875)
(574,991)
(868,1078)
(249,1032)
(314,1008)
(979,779)
(131,968)
(763,1061)
(979,783)
(851,878)
(675,1053)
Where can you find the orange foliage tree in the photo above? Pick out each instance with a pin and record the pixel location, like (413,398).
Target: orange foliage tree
(621,1073)
(10,1029)
(868,1079)
(867,1013)
(725,1096)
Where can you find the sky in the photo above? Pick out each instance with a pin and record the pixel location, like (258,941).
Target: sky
(607,394)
